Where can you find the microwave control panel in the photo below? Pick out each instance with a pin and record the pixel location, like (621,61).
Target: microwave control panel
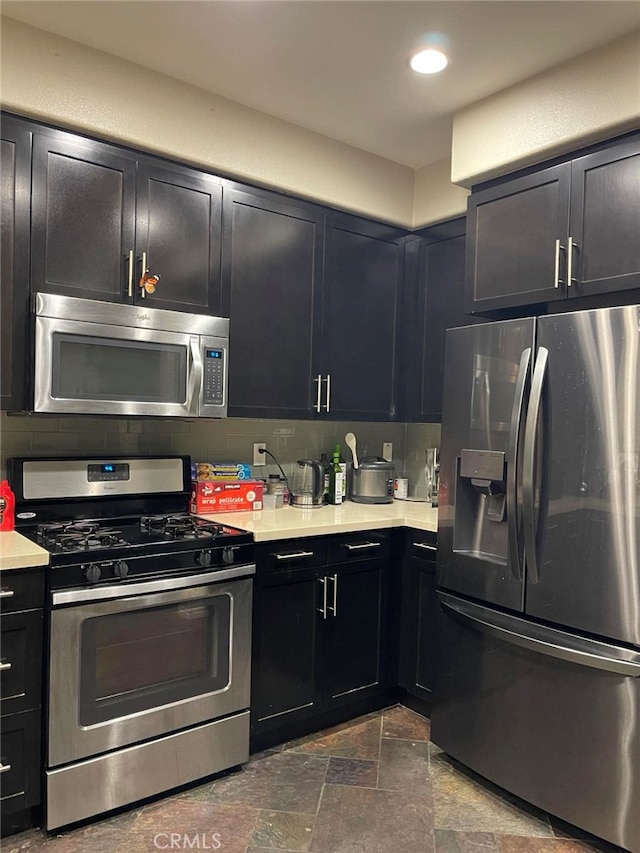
(213,376)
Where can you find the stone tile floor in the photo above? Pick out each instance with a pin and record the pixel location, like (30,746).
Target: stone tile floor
(372,785)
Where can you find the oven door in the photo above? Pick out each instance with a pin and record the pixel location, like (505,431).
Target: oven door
(146,661)
(94,368)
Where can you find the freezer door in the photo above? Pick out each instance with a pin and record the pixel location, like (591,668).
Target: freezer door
(551,717)
(582,464)
(480,544)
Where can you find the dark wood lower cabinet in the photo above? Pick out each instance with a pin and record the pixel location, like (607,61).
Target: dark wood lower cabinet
(419,609)
(21,687)
(320,634)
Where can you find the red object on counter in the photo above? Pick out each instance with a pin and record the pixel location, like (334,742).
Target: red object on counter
(7,506)
(225,496)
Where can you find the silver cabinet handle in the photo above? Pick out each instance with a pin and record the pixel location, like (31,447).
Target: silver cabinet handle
(4,666)
(131,267)
(359,547)
(328,381)
(557,281)
(318,379)
(426,547)
(334,609)
(294,556)
(571,245)
(6,593)
(144,271)
(4,768)
(323,609)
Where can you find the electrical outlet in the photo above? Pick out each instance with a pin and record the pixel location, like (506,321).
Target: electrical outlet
(259,458)
(387,451)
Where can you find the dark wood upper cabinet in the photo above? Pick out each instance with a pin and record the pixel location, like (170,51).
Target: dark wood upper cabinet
(271,290)
(83,217)
(435,304)
(100,212)
(361,318)
(571,230)
(15,182)
(516,234)
(605,220)
(178,220)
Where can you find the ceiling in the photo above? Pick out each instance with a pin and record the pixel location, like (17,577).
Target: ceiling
(340,68)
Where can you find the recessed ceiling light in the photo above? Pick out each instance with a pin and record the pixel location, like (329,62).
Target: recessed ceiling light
(428,61)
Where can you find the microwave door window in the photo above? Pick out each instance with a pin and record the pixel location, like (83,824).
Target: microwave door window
(93,368)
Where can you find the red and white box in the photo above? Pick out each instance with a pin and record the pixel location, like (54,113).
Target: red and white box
(229,496)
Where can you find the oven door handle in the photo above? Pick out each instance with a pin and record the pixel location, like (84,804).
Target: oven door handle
(126,590)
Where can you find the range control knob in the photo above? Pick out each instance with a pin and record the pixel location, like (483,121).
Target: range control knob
(204,558)
(120,569)
(92,572)
(227,555)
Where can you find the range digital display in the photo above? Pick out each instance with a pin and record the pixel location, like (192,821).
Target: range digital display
(105,471)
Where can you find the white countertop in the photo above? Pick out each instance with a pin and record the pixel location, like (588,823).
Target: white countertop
(18,552)
(292,522)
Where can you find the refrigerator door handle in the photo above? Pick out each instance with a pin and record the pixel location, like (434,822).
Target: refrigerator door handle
(547,641)
(528,466)
(515,551)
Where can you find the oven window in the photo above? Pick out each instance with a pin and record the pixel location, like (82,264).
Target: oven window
(146,658)
(91,368)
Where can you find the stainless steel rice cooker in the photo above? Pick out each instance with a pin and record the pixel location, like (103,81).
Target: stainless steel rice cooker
(372,482)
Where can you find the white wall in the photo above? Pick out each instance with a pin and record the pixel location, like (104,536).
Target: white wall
(50,78)
(590,98)
(435,197)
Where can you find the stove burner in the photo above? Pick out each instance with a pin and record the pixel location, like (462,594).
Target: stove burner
(180,526)
(80,536)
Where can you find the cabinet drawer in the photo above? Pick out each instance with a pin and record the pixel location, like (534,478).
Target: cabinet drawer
(21,661)
(21,590)
(20,758)
(283,556)
(359,546)
(422,545)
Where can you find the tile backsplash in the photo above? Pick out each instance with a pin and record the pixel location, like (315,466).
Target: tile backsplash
(225,440)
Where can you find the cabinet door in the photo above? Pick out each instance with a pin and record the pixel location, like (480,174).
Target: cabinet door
(82,217)
(356,652)
(22,659)
(271,290)
(15,183)
(360,318)
(516,241)
(605,220)
(287,648)
(21,763)
(178,221)
(438,307)
(419,614)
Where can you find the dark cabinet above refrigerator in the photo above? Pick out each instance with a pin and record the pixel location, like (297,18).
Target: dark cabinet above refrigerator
(567,231)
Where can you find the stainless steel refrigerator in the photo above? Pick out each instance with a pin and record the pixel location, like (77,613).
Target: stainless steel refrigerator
(538,672)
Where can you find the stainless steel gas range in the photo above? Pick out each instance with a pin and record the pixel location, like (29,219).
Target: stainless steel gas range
(149,614)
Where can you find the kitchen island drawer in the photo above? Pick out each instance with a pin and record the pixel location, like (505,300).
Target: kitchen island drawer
(358,546)
(21,589)
(21,661)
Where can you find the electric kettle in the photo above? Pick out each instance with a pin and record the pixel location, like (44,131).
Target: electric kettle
(307,484)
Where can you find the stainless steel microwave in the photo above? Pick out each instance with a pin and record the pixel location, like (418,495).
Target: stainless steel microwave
(101,358)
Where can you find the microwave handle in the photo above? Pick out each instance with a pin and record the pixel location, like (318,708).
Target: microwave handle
(194,389)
